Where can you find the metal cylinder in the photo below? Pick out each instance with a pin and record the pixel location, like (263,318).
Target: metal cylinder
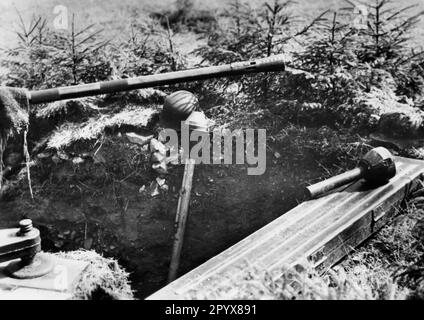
(275,63)
(332,183)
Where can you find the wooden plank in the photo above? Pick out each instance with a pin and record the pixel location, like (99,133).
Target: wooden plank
(323,230)
(181,218)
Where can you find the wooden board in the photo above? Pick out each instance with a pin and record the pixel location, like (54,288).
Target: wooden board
(323,231)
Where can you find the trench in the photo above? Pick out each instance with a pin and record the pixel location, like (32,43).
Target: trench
(107,206)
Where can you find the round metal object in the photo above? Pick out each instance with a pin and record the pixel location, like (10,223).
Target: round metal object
(179,105)
(378,166)
(40,265)
(25,226)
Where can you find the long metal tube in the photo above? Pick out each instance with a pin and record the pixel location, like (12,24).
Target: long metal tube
(274,63)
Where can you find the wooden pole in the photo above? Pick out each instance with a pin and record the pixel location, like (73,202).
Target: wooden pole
(181,218)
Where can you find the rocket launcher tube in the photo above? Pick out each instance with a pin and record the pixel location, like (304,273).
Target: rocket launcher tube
(271,64)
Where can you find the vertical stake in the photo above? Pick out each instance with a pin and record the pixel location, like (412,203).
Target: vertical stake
(181,218)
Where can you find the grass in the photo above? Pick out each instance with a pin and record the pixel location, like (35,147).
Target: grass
(103,279)
(69,133)
(395,252)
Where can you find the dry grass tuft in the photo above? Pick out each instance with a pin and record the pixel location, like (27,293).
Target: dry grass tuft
(63,107)
(69,133)
(103,278)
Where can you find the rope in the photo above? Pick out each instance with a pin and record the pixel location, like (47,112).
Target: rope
(27,156)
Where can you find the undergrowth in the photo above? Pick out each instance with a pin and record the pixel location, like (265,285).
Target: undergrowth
(396,251)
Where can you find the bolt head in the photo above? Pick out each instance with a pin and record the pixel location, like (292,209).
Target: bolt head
(25,225)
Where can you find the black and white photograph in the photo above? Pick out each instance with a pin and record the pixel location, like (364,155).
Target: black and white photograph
(211,154)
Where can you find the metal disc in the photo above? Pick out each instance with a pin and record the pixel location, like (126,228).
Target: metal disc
(41,265)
